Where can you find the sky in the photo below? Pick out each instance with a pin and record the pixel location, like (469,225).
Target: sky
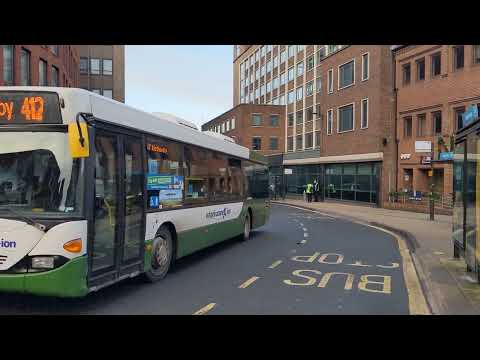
(192,82)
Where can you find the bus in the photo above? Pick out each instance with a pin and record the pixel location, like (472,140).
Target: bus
(93,191)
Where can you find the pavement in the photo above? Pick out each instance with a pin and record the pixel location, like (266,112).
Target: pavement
(301,262)
(447,286)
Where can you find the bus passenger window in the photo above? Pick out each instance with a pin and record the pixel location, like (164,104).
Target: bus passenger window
(165,181)
(197,187)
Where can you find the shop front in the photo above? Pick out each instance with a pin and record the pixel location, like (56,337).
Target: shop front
(466,184)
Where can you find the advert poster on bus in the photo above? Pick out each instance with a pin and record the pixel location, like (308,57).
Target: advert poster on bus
(164,182)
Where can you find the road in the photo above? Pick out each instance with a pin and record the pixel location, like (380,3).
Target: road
(301,262)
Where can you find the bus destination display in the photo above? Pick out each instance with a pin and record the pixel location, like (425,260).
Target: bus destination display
(29,108)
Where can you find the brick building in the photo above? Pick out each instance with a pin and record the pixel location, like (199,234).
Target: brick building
(257,127)
(102,70)
(340,121)
(434,85)
(39,65)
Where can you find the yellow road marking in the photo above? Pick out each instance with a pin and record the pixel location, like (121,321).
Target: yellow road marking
(275,264)
(416,300)
(205,309)
(249,282)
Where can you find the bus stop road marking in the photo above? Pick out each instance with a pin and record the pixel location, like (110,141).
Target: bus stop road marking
(249,282)
(205,309)
(275,264)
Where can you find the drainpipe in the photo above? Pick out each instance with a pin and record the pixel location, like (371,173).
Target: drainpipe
(395,95)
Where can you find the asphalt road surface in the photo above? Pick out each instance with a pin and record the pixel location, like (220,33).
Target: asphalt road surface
(301,262)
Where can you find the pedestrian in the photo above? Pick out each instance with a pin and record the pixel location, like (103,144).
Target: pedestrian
(316,189)
(309,192)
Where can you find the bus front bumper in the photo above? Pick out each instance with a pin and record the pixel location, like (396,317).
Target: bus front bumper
(69,280)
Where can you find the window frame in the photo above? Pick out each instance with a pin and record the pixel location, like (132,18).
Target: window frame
(422,116)
(91,67)
(270,143)
(313,62)
(251,119)
(306,137)
(338,74)
(103,67)
(404,66)
(417,68)
(257,137)
(362,114)
(454,62)
(12,65)
(368,66)
(293,119)
(353,118)
(432,73)
(330,81)
(329,121)
(278,120)
(405,118)
(306,88)
(297,90)
(434,123)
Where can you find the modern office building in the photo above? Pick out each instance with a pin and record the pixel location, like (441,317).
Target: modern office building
(39,65)
(435,84)
(102,70)
(339,109)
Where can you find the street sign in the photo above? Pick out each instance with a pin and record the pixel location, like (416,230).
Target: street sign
(288,171)
(470,115)
(445,156)
(423,146)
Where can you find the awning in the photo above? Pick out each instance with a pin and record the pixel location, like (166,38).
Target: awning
(336,159)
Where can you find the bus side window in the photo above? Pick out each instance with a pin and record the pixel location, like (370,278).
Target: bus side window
(197,185)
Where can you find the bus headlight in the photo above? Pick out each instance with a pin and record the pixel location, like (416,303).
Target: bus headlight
(43,262)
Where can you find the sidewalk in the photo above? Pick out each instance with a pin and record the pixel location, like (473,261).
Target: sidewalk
(448,288)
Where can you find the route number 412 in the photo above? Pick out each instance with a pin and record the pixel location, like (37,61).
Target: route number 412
(32,108)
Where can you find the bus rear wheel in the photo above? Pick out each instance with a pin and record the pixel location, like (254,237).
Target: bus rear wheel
(162,254)
(247,228)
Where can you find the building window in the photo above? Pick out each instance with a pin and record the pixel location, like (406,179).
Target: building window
(227,126)
(273,143)
(421,125)
(256,143)
(476,54)
(251,60)
(282,78)
(275,82)
(95,66)
(233,123)
(290,118)
(257,74)
(291,96)
(269,66)
(108,93)
(300,48)
(299,117)
(407,127)
(330,121)
(256,120)
(54,49)
(283,56)
(310,62)
(257,93)
(420,69)
(275,61)
(83,65)
(275,101)
(330,81)
(257,55)
(300,142)
(8,64)
(55,78)
(319,84)
(364,115)
(346,74)
(269,86)
(107,67)
(262,70)
(437,123)
(291,73)
(309,140)
(262,90)
(321,54)
(436,64)
(309,88)
(96,91)
(459,117)
(274,120)
(290,143)
(299,93)
(300,69)
(406,74)
(25,74)
(365,66)
(282,100)
(262,51)
(345,118)
(458,57)
(317,139)
(332,48)
(291,51)
(309,116)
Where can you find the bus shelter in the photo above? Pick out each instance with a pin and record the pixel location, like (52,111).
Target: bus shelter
(466,183)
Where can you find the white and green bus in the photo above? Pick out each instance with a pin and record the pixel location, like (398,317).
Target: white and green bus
(93,191)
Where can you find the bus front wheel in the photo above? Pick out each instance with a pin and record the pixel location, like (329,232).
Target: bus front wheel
(162,253)
(247,228)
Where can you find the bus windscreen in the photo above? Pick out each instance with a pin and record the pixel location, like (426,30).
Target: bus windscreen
(22,107)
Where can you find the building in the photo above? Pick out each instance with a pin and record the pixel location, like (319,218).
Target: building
(102,70)
(434,85)
(42,65)
(257,127)
(340,126)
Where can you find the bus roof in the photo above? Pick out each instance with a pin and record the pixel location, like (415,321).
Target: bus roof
(109,110)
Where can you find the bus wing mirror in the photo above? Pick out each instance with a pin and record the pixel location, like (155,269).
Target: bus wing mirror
(78,140)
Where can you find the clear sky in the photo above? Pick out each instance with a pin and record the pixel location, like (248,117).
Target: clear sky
(192,82)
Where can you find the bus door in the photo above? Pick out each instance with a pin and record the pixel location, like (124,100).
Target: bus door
(117,237)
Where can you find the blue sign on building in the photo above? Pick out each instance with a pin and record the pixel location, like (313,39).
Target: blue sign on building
(470,115)
(444,156)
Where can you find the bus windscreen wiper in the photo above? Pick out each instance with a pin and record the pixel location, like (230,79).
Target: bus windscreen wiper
(26,219)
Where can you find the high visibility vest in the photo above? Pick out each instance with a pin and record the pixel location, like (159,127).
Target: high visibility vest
(309,188)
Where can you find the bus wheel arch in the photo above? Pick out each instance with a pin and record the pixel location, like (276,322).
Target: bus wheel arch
(163,252)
